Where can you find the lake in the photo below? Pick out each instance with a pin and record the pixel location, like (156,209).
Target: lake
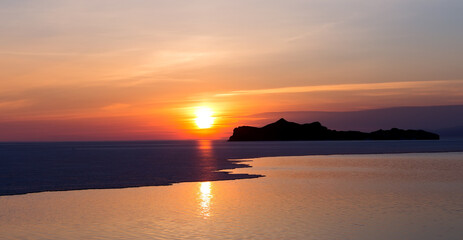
(355,196)
(38,167)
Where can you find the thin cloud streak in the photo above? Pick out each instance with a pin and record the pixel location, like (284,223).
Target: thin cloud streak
(340,87)
(13,104)
(71,54)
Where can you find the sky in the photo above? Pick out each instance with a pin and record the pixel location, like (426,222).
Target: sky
(137,70)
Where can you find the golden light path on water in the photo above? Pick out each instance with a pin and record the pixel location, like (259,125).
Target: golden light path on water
(205,197)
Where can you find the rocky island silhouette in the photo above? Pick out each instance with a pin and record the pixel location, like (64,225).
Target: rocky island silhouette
(283,130)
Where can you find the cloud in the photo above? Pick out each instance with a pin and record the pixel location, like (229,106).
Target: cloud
(341,87)
(116,106)
(13,104)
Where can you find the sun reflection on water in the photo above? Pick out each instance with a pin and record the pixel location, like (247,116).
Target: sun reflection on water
(205,197)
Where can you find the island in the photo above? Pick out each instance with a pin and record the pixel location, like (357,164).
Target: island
(283,130)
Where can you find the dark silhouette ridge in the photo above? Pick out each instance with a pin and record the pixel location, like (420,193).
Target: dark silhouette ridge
(283,130)
(442,120)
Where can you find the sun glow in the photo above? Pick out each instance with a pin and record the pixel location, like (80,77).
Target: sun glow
(204,117)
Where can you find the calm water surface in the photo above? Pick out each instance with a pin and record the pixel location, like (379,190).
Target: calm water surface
(377,196)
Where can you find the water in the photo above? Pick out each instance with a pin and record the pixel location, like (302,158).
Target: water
(368,196)
(38,167)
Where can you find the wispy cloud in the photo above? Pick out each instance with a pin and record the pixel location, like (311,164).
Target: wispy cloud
(70,53)
(340,87)
(115,107)
(13,104)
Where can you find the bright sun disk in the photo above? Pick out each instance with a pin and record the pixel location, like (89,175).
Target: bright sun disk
(204,117)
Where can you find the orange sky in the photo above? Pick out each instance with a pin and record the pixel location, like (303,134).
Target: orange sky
(115,70)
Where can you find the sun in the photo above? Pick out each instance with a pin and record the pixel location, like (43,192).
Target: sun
(204,117)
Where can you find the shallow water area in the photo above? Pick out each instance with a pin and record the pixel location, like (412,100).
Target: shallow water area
(364,196)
